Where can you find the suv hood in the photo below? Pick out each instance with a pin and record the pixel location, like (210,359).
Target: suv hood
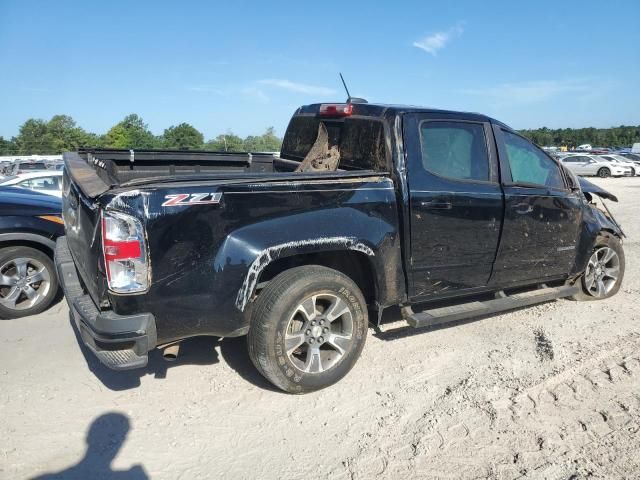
(589,187)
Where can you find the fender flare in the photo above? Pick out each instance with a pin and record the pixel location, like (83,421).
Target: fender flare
(274,252)
(28,237)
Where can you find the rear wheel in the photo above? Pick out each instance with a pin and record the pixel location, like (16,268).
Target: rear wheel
(603,276)
(28,282)
(308,328)
(604,172)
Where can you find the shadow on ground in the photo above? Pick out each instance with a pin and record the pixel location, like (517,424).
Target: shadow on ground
(105,438)
(193,351)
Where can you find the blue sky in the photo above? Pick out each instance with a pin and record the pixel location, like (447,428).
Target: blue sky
(243,66)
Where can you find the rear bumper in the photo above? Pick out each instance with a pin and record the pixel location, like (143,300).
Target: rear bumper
(120,342)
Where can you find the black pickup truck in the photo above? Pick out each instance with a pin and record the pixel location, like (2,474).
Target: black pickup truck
(366,207)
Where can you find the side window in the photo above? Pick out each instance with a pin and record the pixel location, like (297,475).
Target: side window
(45,183)
(456,150)
(530,165)
(24,184)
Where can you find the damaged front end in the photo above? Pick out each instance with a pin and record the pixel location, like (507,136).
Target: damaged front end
(596,218)
(589,190)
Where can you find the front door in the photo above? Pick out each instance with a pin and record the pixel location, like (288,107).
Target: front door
(455,204)
(542,215)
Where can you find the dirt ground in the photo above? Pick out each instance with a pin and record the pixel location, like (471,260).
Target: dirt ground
(551,391)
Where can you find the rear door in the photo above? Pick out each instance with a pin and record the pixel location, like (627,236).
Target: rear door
(455,203)
(542,215)
(575,163)
(584,165)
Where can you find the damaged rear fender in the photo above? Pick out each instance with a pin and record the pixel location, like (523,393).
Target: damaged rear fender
(247,252)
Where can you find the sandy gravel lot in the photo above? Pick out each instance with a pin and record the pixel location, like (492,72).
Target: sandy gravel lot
(551,391)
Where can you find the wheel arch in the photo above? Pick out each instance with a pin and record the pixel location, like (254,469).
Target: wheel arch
(315,251)
(44,244)
(356,265)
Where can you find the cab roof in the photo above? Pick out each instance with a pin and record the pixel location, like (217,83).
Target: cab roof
(382,110)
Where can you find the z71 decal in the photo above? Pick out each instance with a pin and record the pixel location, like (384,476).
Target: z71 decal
(182,199)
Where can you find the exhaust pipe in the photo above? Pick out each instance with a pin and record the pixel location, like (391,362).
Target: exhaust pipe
(170,353)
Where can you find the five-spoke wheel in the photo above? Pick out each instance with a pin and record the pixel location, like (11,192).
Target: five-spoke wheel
(604,271)
(308,327)
(319,332)
(28,281)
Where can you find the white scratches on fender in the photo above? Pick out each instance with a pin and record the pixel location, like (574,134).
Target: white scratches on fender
(272,253)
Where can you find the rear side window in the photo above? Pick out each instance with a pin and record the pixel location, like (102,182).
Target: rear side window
(529,164)
(45,183)
(456,150)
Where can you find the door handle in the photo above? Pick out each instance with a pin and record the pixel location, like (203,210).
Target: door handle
(522,208)
(437,205)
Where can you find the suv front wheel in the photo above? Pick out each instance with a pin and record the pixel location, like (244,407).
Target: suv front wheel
(605,270)
(308,328)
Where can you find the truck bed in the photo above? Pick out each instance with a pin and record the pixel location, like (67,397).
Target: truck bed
(98,170)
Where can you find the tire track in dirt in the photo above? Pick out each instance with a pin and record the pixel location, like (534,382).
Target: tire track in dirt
(558,424)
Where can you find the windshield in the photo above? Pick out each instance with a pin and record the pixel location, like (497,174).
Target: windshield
(611,159)
(619,158)
(32,166)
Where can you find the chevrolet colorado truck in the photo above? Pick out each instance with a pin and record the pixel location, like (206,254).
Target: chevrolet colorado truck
(446,215)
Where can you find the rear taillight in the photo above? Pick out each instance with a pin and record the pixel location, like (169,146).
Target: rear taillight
(125,256)
(336,109)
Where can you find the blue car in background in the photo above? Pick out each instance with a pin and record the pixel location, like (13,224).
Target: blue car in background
(30,223)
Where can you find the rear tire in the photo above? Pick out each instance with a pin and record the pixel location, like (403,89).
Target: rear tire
(605,270)
(28,282)
(308,328)
(604,172)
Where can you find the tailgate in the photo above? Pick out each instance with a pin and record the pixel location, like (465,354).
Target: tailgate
(82,228)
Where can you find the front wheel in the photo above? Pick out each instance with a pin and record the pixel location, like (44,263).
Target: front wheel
(604,172)
(308,328)
(603,276)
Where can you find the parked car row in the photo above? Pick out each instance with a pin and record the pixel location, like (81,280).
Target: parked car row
(20,166)
(609,165)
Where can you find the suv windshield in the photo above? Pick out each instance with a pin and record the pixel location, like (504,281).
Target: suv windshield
(32,166)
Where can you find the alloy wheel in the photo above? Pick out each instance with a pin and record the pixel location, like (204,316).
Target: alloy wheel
(24,283)
(319,333)
(603,271)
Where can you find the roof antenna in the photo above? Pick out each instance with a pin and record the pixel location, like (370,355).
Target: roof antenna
(350,99)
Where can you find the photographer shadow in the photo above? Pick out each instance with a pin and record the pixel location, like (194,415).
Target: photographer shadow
(105,438)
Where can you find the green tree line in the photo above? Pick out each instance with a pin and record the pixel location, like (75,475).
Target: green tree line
(621,136)
(62,134)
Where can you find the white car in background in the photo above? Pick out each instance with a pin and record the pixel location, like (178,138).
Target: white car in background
(623,161)
(43,181)
(595,165)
